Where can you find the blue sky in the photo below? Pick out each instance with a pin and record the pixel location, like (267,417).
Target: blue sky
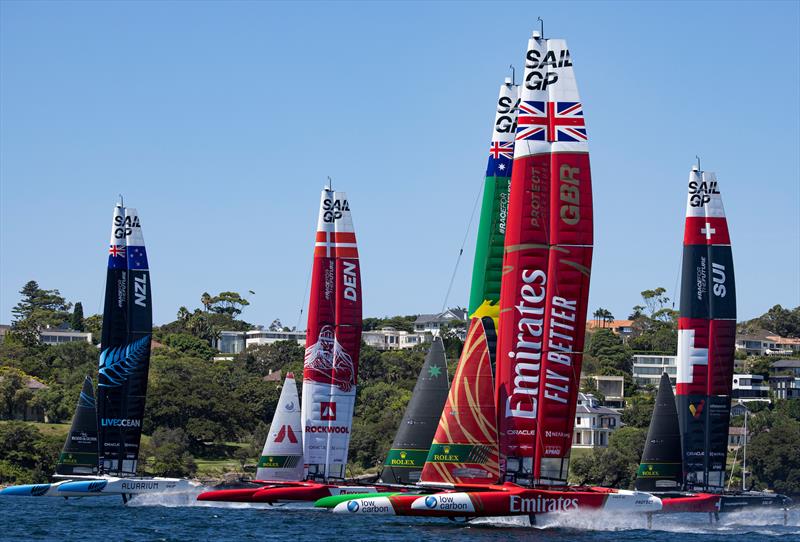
(221,121)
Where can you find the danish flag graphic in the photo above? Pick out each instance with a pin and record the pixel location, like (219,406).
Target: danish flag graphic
(284,432)
(327,411)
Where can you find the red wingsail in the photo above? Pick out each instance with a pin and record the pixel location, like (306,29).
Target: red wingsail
(546,268)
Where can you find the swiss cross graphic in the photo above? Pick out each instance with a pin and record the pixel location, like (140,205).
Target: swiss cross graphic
(327,411)
(708,231)
(284,432)
(551,121)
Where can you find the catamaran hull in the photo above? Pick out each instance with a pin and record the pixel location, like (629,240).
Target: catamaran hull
(504,502)
(690,502)
(101,487)
(753,499)
(285,492)
(32,490)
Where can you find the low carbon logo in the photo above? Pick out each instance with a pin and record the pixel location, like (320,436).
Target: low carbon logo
(431,502)
(352,506)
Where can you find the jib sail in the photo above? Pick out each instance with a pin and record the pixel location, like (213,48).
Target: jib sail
(282,456)
(79,455)
(660,469)
(413,439)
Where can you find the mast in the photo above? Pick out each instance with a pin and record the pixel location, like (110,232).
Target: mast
(706,335)
(413,439)
(282,456)
(547,261)
(333,340)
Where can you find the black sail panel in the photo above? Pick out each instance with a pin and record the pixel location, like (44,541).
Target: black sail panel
(660,468)
(124,363)
(414,436)
(79,455)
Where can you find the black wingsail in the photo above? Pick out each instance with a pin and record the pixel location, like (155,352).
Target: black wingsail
(661,467)
(125,355)
(414,436)
(79,455)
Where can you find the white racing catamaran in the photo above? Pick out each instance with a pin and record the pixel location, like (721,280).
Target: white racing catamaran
(101,453)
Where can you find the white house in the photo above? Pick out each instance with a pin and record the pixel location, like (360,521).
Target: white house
(433,323)
(750,388)
(593,423)
(389,338)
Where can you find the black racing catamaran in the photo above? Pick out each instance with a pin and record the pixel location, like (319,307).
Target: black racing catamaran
(100,456)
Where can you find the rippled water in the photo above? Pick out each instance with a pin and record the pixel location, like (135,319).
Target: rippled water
(180,518)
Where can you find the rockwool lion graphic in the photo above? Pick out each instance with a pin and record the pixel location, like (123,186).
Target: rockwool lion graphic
(327,362)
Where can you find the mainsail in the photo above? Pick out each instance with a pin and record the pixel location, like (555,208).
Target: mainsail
(487,267)
(706,334)
(464,449)
(546,268)
(79,455)
(125,354)
(282,456)
(660,468)
(333,340)
(413,439)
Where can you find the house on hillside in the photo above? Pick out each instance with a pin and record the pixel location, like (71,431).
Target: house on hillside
(613,389)
(29,413)
(593,423)
(750,388)
(389,338)
(63,334)
(785,386)
(433,323)
(623,328)
(765,343)
(648,368)
(785,367)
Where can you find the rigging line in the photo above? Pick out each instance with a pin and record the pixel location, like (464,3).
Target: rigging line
(463,243)
(305,293)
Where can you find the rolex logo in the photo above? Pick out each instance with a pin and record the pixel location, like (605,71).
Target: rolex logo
(447,449)
(403,455)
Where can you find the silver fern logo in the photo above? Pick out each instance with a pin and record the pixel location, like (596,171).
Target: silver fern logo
(118,363)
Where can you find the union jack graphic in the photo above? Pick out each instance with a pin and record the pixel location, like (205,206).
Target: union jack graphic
(551,121)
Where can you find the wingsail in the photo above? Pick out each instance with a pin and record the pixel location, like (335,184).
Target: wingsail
(706,334)
(333,340)
(546,268)
(125,355)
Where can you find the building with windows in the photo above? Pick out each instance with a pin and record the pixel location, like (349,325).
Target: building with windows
(593,423)
(739,409)
(433,323)
(648,368)
(764,343)
(257,337)
(785,386)
(63,334)
(623,328)
(613,389)
(735,438)
(784,367)
(230,342)
(749,388)
(389,338)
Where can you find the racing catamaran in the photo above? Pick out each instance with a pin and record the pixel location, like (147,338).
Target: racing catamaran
(543,305)
(113,439)
(706,336)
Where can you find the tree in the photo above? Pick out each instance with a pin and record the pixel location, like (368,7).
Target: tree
(183,314)
(276,325)
(655,300)
(170,449)
(759,366)
(782,322)
(76,322)
(94,325)
(278,356)
(14,392)
(614,466)
(26,456)
(638,411)
(228,303)
(205,300)
(189,345)
(609,351)
(773,456)
(603,315)
(36,310)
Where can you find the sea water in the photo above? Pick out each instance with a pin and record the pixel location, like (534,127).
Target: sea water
(181,518)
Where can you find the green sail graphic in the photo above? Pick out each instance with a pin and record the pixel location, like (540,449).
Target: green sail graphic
(488,264)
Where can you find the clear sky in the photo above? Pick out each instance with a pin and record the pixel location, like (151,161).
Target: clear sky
(221,121)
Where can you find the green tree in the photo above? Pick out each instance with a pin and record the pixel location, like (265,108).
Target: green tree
(773,456)
(614,466)
(638,411)
(609,350)
(76,321)
(189,345)
(230,303)
(14,392)
(36,310)
(26,456)
(782,322)
(278,356)
(169,449)
(759,366)
(94,325)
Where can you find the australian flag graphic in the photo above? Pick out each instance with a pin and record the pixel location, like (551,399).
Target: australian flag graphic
(501,156)
(116,256)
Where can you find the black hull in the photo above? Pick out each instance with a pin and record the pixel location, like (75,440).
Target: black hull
(749,500)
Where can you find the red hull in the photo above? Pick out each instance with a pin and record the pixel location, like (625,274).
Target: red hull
(244,494)
(699,502)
